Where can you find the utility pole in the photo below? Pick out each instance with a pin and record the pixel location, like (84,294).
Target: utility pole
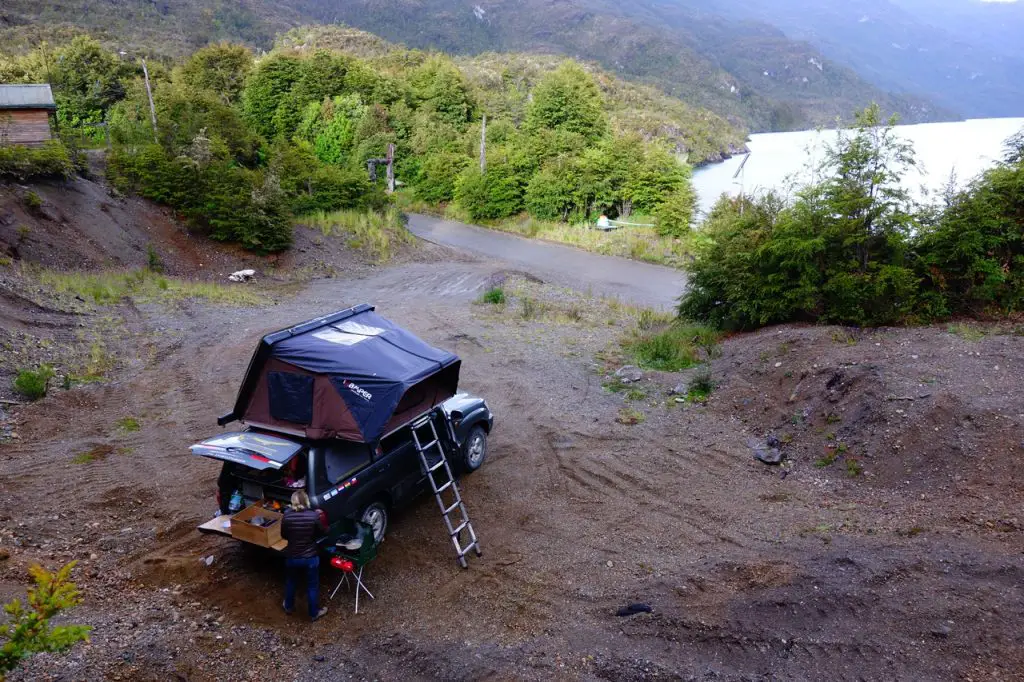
(152,109)
(483,145)
(391,168)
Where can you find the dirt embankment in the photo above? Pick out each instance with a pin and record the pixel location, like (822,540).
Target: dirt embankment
(888,545)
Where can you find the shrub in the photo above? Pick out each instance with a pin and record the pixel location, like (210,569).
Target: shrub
(33,201)
(839,253)
(437,177)
(33,383)
(28,163)
(153,260)
(701,387)
(28,630)
(496,193)
(494,296)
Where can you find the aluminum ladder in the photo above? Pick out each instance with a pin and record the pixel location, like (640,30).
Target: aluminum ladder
(439,473)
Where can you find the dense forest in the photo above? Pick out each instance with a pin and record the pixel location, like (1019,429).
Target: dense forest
(243,145)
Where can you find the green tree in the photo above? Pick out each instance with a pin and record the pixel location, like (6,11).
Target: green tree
(972,257)
(495,194)
(221,69)
(568,99)
(28,630)
(267,87)
(437,176)
(438,88)
(838,254)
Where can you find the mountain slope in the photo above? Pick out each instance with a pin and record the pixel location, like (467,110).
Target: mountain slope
(963,55)
(745,70)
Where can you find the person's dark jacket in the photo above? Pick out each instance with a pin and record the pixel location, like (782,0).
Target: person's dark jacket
(301,529)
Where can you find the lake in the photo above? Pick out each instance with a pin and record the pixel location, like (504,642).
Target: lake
(777,159)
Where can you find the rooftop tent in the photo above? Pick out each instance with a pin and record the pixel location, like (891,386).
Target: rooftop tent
(351,374)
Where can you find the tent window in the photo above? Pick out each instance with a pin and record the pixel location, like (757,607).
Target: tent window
(291,397)
(343,458)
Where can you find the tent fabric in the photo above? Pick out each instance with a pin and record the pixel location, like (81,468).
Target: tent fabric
(351,375)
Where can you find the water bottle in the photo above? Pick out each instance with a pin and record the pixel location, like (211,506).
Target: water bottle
(235,505)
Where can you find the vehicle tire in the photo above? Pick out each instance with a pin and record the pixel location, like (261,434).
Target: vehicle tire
(474,450)
(376,516)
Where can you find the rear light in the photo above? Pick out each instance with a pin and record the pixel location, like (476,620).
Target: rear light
(218,497)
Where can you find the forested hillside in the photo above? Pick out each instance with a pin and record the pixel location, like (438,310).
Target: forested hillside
(748,71)
(243,145)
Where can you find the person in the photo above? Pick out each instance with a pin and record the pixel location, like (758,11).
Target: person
(301,527)
(603,221)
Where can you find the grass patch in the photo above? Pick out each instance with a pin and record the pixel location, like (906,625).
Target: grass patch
(95,454)
(967,332)
(493,296)
(672,348)
(636,394)
(373,232)
(637,243)
(853,467)
(630,417)
(33,383)
(143,285)
(827,460)
(615,384)
(128,424)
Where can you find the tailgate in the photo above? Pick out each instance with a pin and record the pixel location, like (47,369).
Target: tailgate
(257,451)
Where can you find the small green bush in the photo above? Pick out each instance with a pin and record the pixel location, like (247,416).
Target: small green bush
(494,296)
(701,388)
(153,260)
(28,163)
(33,383)
(28,630)
(33,201)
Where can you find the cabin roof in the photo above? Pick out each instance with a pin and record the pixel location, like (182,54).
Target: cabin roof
(28,96)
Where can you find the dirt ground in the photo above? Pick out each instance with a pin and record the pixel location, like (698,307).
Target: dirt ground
(888,545)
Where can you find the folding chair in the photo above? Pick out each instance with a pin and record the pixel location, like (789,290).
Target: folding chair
(351,555)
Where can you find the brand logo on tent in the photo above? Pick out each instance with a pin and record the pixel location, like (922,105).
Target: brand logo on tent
(358,390)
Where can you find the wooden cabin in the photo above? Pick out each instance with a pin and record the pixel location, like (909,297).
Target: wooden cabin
(25,112)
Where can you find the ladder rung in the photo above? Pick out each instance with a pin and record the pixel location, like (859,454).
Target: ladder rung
(429,445)
(464,550)
(439,465)
(452,508)
(461,527)
(445,487)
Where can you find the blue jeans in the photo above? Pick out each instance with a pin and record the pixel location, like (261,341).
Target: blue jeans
(295,568)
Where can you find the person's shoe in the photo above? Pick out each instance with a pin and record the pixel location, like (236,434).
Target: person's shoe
(284,605)
(320,614)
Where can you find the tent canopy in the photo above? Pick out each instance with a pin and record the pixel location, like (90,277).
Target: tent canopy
(351,374)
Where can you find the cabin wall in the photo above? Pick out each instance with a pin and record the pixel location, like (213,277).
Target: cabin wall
(29,127)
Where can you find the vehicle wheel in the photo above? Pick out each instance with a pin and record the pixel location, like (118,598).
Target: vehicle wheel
(474,451)
(376,517)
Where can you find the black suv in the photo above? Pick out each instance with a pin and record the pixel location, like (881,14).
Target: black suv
(347,480)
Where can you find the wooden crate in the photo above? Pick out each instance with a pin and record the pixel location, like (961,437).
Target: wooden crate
(264,536)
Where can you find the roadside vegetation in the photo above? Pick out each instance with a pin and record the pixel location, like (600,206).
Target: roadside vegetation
(142,285)
(854,249)
(377,233)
